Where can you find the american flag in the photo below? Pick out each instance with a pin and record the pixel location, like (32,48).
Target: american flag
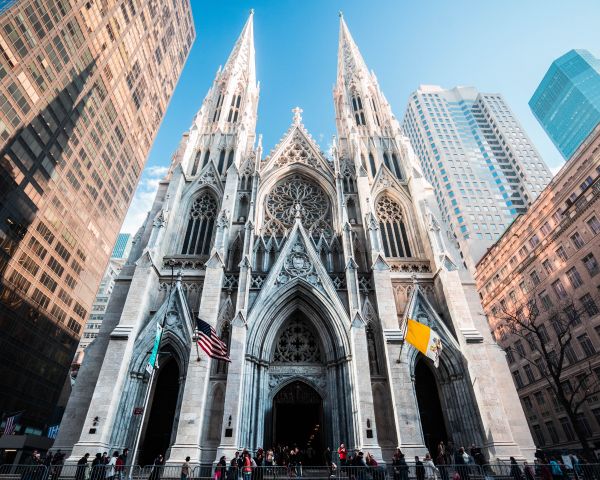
(210,342)
(11,424)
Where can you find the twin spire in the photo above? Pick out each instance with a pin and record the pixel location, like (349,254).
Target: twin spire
(242,57)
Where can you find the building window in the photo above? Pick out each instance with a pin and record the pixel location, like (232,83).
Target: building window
(567,428)
(574,277)
(537,431)
(529,373)
(591,264)
(199,232)
(509,356)
(546,300)
(594,225)
(519,348)
(559,289)
(573,315)
(357,108)
(577,240)
(547,264)
(518,380)
(589,305)
(535,278)
(561,253)
(586,344)
(392,227)
(218,106)
(372,164)
(539,398)
(584,424)
(234,110)
(527,403)
(552,431)
(570,354)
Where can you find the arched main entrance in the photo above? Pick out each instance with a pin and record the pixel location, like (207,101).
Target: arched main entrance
(298,418)
(159,429)
(430,407)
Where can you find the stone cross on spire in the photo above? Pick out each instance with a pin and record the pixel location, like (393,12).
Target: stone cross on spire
(297,115)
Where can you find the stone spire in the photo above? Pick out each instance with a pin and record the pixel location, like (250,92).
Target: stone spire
(350,62)
(241,61)
(224,129)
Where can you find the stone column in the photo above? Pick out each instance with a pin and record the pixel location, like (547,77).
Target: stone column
(190,426)
(366,435)
(116,364)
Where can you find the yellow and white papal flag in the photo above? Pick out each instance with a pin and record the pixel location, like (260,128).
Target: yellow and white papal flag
(425,340)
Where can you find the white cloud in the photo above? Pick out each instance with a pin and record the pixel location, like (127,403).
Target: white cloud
(143,198)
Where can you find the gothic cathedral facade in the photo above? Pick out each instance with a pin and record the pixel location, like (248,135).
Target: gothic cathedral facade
(308,267)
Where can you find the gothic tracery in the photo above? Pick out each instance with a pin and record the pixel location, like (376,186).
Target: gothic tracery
(297,197)
(297,344)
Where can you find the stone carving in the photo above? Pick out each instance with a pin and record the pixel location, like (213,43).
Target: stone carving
(298,265)
(297,344)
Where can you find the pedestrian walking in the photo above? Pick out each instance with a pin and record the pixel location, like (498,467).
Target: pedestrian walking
(156,468)
(82,465)
(400,466)
(419,469)
(515,471)
(97,467)
(431,471)
(528,470)
(110,472)
(343,456)
(221,470)
(185,469)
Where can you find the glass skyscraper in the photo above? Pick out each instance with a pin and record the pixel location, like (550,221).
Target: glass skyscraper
(122,246)
(83,89)
(483,167)
(567,101)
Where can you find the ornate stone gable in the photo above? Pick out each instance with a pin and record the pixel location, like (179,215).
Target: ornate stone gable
(298,147)
(419,308)
(299,261)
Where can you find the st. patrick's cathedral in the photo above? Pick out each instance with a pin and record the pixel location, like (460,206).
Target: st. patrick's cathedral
(307,265)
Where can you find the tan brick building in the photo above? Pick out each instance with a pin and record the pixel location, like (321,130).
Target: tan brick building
(83,89)
(551,254)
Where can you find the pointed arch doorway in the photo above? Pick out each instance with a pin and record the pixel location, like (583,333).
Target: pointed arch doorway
(433,421)
(158,432)
(298,418)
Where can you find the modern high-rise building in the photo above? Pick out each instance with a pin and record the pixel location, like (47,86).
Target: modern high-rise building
(83,88)
(483,166)
(567,101)
(307,267)
(122,245)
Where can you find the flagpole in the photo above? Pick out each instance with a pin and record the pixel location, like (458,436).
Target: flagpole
(162,324)
(399,360)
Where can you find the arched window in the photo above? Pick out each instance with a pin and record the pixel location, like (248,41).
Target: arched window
(375,112)
(221,161)
(352,213)
(230,158)
(393,230)
(206,158)
(372,164)
(201,223)
(234,110)
(243,207)
(357,107)
(386,160)
(196,162)
(372,351)
(396,166)
(218,106)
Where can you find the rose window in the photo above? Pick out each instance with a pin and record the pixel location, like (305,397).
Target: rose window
(297,197)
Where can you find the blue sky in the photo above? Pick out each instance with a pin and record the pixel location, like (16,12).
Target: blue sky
(497,46)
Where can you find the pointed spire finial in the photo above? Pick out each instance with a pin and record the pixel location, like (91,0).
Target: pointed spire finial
(341,14)
(251,11)
(297,115)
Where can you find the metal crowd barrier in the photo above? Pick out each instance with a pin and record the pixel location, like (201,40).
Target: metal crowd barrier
(496,471)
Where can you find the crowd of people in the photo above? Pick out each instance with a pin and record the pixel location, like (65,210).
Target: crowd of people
(450,463)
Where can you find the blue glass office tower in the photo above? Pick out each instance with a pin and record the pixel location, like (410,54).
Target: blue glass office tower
(567,101)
